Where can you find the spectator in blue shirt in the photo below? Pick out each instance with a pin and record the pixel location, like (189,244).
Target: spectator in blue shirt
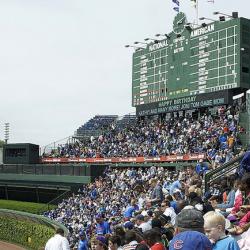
(245,164)
(201,168)
(83,243)
(214,227)
(129,212)
(93,193)
(157,194)
(102,227)
(173,203)
(175,185)
(229,203)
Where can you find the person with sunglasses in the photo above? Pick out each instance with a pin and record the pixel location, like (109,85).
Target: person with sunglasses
(168,211)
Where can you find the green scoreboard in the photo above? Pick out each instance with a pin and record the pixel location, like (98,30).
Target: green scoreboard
(192,60)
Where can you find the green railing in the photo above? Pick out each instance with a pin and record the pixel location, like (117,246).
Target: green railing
(28,230)
(223,170)
(55,201)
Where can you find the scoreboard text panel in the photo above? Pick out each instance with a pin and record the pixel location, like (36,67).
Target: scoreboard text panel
(203,60)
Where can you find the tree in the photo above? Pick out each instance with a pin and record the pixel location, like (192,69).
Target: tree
(1,143)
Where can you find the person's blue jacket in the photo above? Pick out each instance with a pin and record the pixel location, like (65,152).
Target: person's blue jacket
(174,185)
(128,213)
(103,228)
(201,168)
(245,164)
(230,201)
(83,245)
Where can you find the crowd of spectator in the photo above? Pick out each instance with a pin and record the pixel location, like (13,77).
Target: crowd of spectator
(155,208)
(214,135)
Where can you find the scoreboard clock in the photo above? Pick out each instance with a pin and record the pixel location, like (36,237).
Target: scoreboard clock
(180,21)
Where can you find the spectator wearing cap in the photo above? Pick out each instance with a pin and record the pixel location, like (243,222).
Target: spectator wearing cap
(99,243)
(190,240)
(58,241)
(214,227)
(189,220)
(144,226)
(153,240)
(128,225)
(83,243)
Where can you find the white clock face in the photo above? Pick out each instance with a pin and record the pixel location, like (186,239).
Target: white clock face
(180,21)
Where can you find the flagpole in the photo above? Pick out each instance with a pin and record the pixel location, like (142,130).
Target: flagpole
(197,11)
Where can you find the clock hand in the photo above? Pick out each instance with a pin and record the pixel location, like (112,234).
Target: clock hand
(181,21)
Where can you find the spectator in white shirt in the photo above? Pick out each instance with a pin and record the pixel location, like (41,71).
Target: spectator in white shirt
(58,241)
(168,211)
(144,226)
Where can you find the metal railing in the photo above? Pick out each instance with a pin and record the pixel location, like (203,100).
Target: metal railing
(56,200)
(223,170)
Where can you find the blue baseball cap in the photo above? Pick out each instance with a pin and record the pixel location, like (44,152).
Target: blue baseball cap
(190,240)
(102,239)
(129,225)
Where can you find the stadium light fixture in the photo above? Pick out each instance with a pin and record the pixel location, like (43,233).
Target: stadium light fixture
(234,14)
(139,42)
(222,18)
(191,26)
(132,46)
(163,35)
(151,39)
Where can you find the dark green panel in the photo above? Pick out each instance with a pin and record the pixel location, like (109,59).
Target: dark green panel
(190,62)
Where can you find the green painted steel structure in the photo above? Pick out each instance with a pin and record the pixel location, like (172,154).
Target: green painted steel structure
(192,61)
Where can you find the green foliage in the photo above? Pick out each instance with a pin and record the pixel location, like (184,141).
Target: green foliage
(24,232)
(1,143)
(29,207)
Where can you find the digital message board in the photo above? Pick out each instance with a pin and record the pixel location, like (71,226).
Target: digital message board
(191,61)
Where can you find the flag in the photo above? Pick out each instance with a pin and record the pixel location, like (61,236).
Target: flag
(177,9)
(176,2)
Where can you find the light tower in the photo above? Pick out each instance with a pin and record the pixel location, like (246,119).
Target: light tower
(6,132)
